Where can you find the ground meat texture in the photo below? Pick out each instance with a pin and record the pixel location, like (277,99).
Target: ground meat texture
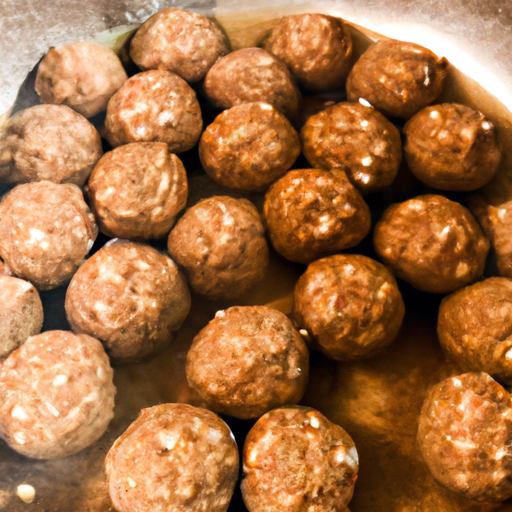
(173,458)
(180,41)
(137,190)
(312,213)
(248,360)
(57,395)
(397,78)
(356,139)
(130,297)
(49,142)
(296,460)
(4,269)
(21,313)
(220,243)
(431,242)
(46,230)
(154,106)
(252,74)
(465,436)
(82,76)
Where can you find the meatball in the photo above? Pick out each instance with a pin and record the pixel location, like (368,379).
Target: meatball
(252,74)
(82,76)
(220,243)
(316,48)
(248,147)
(130,297)
(173,458)
(465,436)
(57,395)
(180,41)
(397,78)
(356,139)
(154,106)
(46,230)
(21,313)
(432,243)
(248,360)
(294,460)
(311,213)
(137,190)
(49,142)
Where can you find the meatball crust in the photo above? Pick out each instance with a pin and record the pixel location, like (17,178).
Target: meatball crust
(248,360)
(154,106)
(312,212)
(357,139)
(295,460)
(173,458)
(252,74)
(183,42)
(137,190)
(57,395)
(432,243)
(82,76)
(131,298)
(397,78)
(49,142)
(465,436)
(248,147)
(220,243)
(46,230)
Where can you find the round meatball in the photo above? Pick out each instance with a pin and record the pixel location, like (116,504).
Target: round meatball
(137,190)
(356,139)
(82,76)
(57,395)
(154,106)
(311,213)
(315,47)
(184,42)
(49,142)
(173,458)
(252,74)
(397,78)
(248,147)
(131,298)
(432,243)
(21,313)
(294,460)
(451,147)
(465,436)
(46,230)
(220,243)
(248,360)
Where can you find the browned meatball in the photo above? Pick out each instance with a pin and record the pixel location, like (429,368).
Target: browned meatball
(184,42)
(220,243)
(296,460)
(82,76)
(57,395)
(465,436)
(248,360)
(356,139)
(137,190)
(431,242)
(252,74)
(173,458)
(311,213)
(248,147)
(46,230)
(154,106)
(49,142)
(397,78)
(130,297)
